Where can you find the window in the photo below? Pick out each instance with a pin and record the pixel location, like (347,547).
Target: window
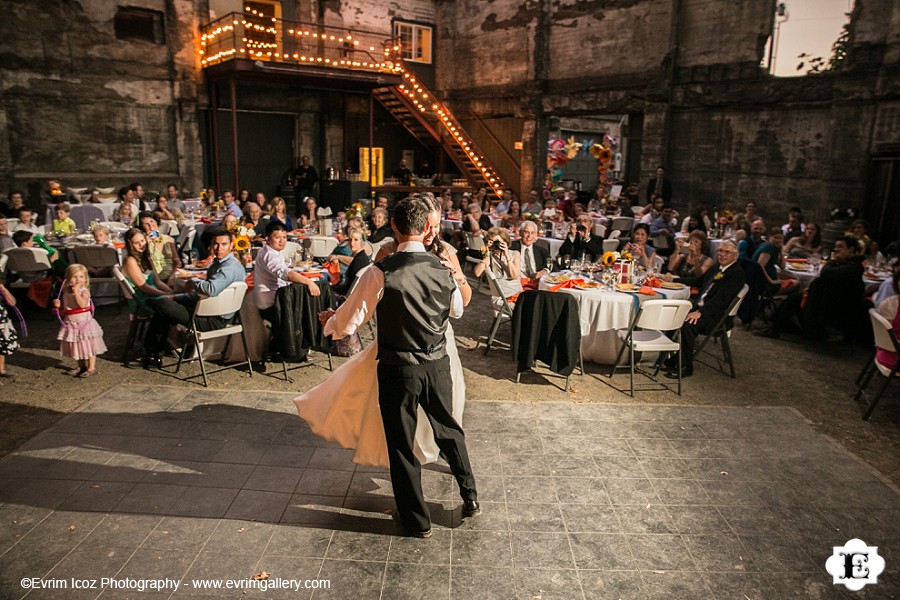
(415,41)
(808,36)
(140,24)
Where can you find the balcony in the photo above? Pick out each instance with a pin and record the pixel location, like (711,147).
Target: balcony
(251,45)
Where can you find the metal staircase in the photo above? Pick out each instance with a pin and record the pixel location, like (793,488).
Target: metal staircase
(428,120)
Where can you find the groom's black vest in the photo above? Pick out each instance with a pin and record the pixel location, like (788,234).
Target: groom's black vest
(413,312)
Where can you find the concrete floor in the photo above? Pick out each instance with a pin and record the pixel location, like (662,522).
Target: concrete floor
(580,501)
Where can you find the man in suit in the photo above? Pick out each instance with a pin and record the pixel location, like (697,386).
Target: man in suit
(580,244)
(413,295)
(534,258)
(660,186)
(718,287)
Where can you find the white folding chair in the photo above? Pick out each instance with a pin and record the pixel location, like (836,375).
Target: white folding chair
(137,327)
(3,260)
(885,339)
(169,227)
(647,334)
(290,250)
(376,246)
(11,224)
(320,247)
(721,333)
(185,241)
(502,307)
(26,261)
(622,225)
(657,262)
(611,245)
(98,257)
(228,301)
(83,214)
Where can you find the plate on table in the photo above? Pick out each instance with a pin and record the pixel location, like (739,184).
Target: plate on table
(798,266)
(558,278)
(672,285)
(588,285)
(875,276)
(626,287)
(87,238)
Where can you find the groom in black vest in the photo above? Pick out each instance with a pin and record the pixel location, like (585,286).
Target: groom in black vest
(414,295)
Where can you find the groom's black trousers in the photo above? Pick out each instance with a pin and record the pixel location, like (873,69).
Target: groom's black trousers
(401,389)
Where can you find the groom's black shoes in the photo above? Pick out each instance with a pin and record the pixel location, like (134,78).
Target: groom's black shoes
(422,534)
(471,508)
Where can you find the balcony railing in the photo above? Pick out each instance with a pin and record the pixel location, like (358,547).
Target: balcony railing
(253,36)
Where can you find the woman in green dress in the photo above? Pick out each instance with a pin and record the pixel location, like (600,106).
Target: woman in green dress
(140,273)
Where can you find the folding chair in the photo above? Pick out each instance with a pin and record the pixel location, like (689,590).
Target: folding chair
(185,242)
(83,214)
(721,333)
(611,245)
(473,243)
(647,334)
(169,227)
(327,302)
(290,250)
(25,261)
(99,257)
(228,301)
(885,339)
(502,308)
(137,327)
(622,225)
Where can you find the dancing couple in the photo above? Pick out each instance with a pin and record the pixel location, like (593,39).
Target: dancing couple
(420,390)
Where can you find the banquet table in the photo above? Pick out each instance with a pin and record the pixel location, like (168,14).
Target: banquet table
(805,274)
(602,312)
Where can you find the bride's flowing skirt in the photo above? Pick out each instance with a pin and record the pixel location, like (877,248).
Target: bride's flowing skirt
(344,408)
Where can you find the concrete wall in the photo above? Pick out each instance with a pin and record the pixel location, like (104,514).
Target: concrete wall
(81,105)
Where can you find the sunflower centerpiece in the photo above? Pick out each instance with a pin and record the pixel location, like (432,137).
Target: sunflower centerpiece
(618,267)
(242,237)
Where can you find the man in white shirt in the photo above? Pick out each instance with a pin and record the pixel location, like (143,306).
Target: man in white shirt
(271,272)
(26,222)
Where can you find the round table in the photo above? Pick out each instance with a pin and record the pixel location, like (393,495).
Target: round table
(602,312)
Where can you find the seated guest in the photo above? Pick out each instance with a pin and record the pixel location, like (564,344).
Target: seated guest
(513,216)
(127,194)
(358,261)
(342,253)
(579,243)
(164,213)
(63,222)
(502,207)
(749,245)
(534,259)
(503,262)
(6,242)
(231,204)
(534,204)
(834,297)
(26,239)
(696,262)
(794,227)
(174,203)
(381,227)
(254,219)
(475,221)
(887,288)
(866,246)
(640,249)
(889,308)
(124,214)
(101,236)
(162,247)
(139,270)
(271,272)
(718,288)
(652,210)
(770,257)
(222,272)
(11,210)
(804,246)
(278,212)
(662,230)
(550,212)
(243,197)
(743,220)
(26,222)
(308,217)
(693,222)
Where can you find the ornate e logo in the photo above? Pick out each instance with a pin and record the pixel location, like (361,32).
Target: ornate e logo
(855,565)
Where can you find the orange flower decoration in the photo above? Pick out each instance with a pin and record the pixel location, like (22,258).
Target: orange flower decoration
(242,243)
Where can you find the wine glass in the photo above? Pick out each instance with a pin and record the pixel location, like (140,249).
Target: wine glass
(549,264)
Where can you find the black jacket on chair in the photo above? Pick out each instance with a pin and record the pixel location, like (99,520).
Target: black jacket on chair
(546,327)
(296,327)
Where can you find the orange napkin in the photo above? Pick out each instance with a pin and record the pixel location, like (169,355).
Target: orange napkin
(249,280)
(566,284)
(528,283)
(646,289)
(118,245)
(334,270)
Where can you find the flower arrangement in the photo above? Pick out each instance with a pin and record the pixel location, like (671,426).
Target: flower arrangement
(55,188)
(609,258)
(726,218)
(241,243)
(356,210)
(531,217)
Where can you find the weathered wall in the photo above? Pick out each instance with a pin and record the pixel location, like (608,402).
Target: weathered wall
(93,110)
(726,130)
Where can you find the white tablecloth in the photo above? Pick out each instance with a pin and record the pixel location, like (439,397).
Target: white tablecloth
(601,313)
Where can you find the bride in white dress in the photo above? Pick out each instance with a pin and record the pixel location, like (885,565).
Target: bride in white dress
(344,408)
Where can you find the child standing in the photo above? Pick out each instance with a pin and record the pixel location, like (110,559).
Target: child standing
(9,341)
(80,336)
